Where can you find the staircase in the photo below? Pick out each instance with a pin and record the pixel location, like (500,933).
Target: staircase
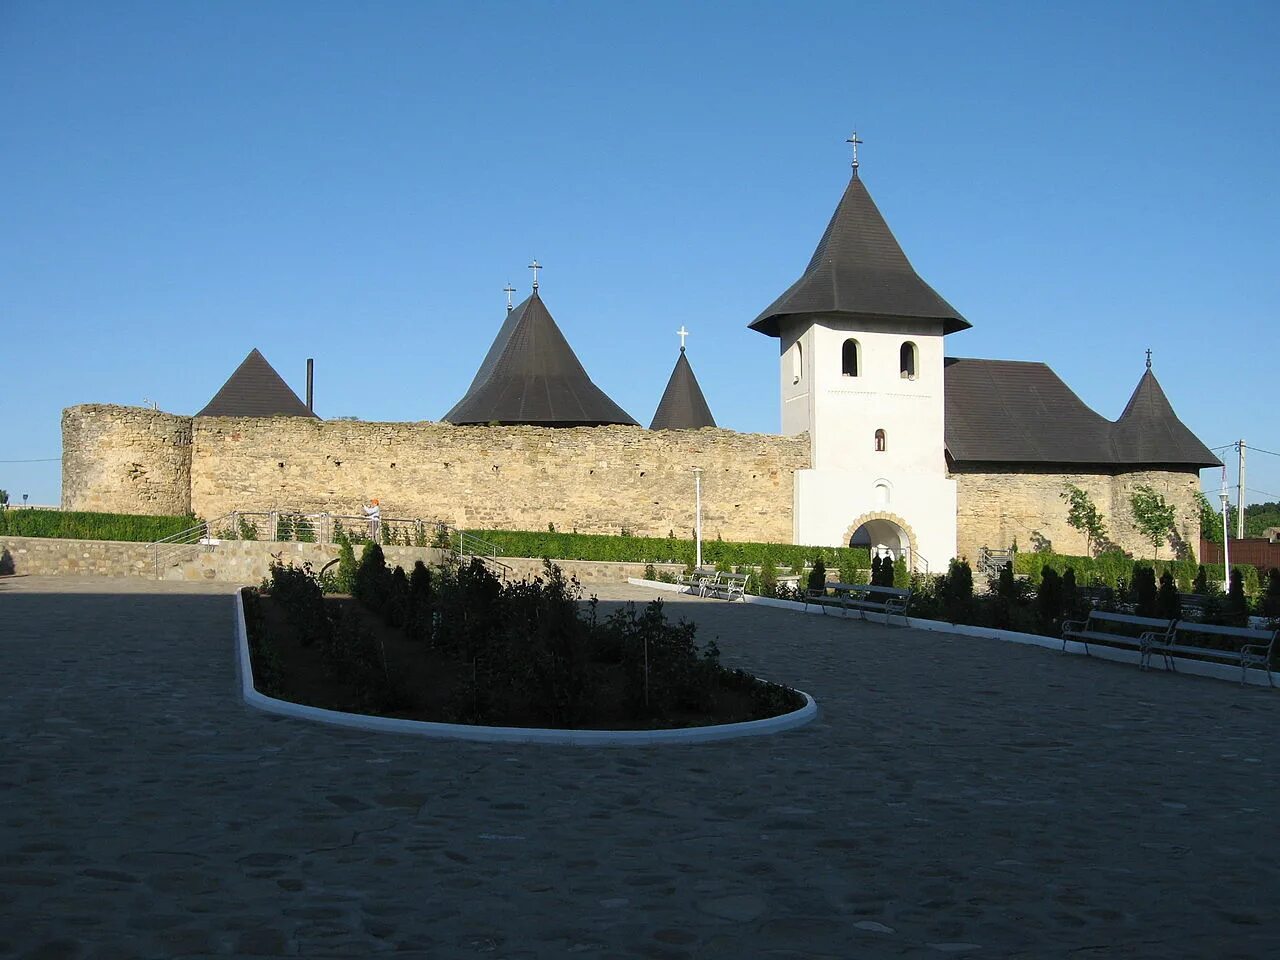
(178,548)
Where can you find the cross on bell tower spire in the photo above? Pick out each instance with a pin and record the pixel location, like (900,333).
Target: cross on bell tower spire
(682,333)
(1148,358)
(509,290)
(853,139)
(535,267)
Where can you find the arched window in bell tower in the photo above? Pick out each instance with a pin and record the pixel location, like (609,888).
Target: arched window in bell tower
(880,442)
(797,363)
(908,361)
(849,358)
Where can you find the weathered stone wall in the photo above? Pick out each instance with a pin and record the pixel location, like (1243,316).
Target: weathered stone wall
(125,460)
(593,480)
(997,507)
(38,556)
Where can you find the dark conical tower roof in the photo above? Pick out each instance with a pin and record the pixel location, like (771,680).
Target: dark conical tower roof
(682,407)
(1150,432)
(531,375)
(859,269)
(255,390)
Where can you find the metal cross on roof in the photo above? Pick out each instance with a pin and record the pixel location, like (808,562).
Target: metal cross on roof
(1148,358)
(682,333)
(535,267)
(853,139)
(509,290)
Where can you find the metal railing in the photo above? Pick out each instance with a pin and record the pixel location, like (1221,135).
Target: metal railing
(292,526)
(471,546)
(182,546)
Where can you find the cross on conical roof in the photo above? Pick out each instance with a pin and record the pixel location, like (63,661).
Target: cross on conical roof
(531,375)
(255,390)
(1150,432)
(859,269)
(682,407)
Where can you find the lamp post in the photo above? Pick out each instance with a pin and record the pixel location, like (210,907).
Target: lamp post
(1226,535)
(697,516)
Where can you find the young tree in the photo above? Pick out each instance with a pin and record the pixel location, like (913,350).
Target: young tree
(1210,519)
(1083,515)
(1154,518)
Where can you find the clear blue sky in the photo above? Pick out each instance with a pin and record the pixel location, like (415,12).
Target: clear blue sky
(357,181)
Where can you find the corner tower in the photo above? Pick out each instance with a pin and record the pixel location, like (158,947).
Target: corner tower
(861,338)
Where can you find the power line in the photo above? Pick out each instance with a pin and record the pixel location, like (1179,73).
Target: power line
(38,460)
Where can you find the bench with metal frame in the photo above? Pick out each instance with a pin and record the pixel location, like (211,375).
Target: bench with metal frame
(1187,639)
(700,580)
(1104,628)
(862,597)
(733,586)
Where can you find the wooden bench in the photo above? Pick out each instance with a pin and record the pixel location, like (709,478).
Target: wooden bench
(863,597)
(1115,629)
(1193,603)
(1252,646)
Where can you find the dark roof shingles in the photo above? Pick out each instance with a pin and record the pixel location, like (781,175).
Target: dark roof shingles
(531,375)
(683,406)
(255,390)
(1009,411)
(858,268)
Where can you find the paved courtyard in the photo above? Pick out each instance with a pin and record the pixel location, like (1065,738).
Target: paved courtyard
(955,797)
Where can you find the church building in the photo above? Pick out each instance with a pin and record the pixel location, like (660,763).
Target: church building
(904,439)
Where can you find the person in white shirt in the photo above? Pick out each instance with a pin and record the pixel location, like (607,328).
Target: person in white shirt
(374,513)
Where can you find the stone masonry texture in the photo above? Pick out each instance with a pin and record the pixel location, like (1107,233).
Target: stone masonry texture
(589,479)
(997,508)
(125,460)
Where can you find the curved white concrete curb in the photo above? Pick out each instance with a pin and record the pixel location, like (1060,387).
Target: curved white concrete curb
(1197,668)
(459,731)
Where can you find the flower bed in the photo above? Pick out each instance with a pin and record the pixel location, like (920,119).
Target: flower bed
(458,646)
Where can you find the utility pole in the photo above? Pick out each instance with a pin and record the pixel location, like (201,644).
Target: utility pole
(1240,495)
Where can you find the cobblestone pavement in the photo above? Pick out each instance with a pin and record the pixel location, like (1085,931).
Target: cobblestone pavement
(955,797)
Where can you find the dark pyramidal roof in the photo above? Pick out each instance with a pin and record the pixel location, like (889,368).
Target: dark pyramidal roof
(255,390)
(531,375)
(859,269)
(1008,411)
(682,407)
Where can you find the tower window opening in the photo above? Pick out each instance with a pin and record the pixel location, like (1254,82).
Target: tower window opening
(797,363)
(880,442)
(849,358)
(908,358)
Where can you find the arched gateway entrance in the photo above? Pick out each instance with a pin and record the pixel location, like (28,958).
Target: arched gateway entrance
(885,535)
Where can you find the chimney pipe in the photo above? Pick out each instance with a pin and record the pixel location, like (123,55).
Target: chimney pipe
(311,379)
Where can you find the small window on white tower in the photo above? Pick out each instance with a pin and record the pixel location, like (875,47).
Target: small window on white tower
(797,363)
(880,442)
(849,358)
(908,361)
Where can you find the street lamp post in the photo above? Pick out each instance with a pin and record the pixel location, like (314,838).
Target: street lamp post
(1226,536)
(697,516)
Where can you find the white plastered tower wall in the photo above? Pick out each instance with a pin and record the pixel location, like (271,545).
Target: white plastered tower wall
(854,477)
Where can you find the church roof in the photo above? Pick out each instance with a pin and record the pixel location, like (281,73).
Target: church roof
(255,390)
(682,407)
(1150,432)
(859,269)
(1010,411)
(531,375)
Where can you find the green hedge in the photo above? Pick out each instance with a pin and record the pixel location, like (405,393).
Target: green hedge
(585,546)
(1110,567)
(90,526)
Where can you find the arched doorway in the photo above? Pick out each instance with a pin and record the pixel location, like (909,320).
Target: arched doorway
(884,535)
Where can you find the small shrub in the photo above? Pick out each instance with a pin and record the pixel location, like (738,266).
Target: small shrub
(818,577)
(1049,598)
(650,572)
(1143,586)
(1168,603)
(900,577)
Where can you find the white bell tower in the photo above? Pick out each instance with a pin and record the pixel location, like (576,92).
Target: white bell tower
(862,372)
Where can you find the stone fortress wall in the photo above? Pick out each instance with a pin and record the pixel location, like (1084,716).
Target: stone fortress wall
(589,479)
(126,460)
(593,480)
(998,507)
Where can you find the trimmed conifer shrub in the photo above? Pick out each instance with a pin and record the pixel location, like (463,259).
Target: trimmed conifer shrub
(1168,603)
